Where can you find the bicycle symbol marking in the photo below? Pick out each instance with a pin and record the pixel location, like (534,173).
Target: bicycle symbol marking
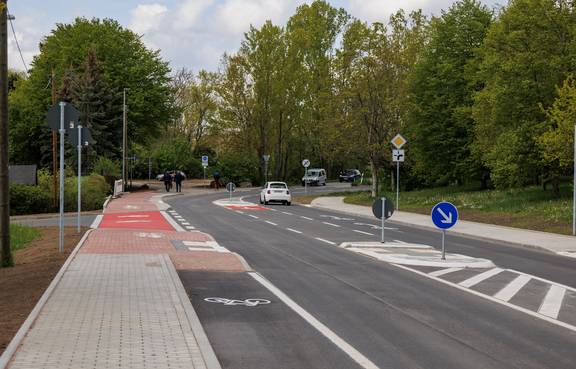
(231,302)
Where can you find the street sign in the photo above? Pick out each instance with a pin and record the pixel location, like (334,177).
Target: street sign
(305,163)
(70,115)
(388,208)
(86,137)
(204,160)
(397,156)
(266,158)
(398,141)
(444,215)
(230,187)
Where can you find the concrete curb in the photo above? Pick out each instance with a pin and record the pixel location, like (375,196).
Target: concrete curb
(201,338)
(25,327)
(105,205)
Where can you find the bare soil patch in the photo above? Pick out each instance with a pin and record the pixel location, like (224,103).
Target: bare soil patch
(23,285)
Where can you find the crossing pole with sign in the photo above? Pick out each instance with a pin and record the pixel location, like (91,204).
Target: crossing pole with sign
(266,159)
(230,187)
(204,164)
(398,156)
(382,209)
(444,216)
(79,177)
(306,164)
(62,131)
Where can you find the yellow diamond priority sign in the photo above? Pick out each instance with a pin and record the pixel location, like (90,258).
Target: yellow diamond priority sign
(398,141)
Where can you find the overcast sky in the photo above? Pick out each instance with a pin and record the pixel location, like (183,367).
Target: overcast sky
(189,33)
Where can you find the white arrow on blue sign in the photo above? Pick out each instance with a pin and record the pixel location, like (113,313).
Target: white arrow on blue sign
(444,215)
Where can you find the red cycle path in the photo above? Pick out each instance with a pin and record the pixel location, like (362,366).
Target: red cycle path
(146,220)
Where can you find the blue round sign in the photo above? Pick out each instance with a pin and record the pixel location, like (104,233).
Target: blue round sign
(444,215)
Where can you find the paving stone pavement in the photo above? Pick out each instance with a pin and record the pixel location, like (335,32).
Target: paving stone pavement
(110,311)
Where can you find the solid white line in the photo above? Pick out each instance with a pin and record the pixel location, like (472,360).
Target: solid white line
(293,230)
(287,213)
(172,222)
(253,216)
(480,277)
(512,288)
(552,302)
(479,294)
(362,232)
(360,359)
(303,217)
(328,242)
(438,273)
(96,223)
(269,222)
(331,224)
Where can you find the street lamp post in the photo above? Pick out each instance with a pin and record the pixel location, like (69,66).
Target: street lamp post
(124,141)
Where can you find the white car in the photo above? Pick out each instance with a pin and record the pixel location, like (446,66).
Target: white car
(275,192)
(315,177)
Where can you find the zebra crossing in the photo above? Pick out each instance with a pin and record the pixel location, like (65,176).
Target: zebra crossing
(180,219)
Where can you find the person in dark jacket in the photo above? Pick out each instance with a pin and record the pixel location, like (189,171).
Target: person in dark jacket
(168,180)
(216,175)
(178,178)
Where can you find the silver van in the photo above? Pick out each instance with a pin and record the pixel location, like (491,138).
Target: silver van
(315,177)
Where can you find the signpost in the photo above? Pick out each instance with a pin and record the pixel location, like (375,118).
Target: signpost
(305,164)
(398,156)
(444,216)
(266,159)
(383,209)
(230,187)
(204,164)
(79,137)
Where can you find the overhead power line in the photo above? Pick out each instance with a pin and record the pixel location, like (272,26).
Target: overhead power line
(10,18)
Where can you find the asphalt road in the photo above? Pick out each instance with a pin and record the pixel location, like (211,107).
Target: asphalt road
(395,318)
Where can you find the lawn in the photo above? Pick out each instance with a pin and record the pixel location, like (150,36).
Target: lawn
(529,208)
(21,235)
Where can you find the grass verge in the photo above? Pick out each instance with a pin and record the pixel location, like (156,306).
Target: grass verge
(21,235)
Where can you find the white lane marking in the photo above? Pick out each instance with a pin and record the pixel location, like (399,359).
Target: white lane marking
(545,280)
(253,216)
(172,222)
(271,209)
(331,224)
(360,359)
(487,297)
(480,277)
(303,217)
(362,232)
(552,302)
(293,230)
(512,288)
(178,217)
(287,213)
(96,223)
(239,212)
(438,273)
(134,216)
(271,223)
(326,241)
(190,227)
(133,221)
(185,223)
(398,241)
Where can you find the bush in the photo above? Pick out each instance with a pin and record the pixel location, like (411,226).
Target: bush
(29,200)
(94,192)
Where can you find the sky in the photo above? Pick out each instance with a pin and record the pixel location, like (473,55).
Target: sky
(190,33)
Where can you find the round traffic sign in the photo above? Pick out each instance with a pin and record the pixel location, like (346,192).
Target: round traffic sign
(230,187)
(305,163)
(444,215)
(388,208)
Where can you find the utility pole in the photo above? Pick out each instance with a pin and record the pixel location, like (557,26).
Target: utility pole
(54,145)
(4,180)
(124,141)
(574,189)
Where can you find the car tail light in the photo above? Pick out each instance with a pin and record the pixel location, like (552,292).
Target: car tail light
(287,192)
(269,192)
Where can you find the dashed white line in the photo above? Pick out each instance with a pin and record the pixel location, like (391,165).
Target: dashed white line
(253,216)
(332,224)
(362,232)
(438,273)
(303,217)
(293,230)
(512,288)
(239,212)
(480,277)
(272,223)
(185,223)
(552,302)
(287,213)
(326,241)
(357,356)
(190,227)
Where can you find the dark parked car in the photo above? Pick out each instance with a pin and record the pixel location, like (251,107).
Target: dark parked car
(350,175)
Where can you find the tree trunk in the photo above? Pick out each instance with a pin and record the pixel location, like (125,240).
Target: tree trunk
(556,186)
(375,180)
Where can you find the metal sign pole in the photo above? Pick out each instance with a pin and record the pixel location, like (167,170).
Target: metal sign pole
(61,220)
(574,185)
(79,177)
(397,184)
(383,217)
(443,244)
(306,181)
(149,169)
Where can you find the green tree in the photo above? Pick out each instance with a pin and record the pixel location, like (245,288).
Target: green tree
(440,125)
(528,51)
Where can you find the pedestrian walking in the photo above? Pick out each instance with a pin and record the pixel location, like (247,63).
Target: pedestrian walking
(216,175)
(178,178)
(167,180)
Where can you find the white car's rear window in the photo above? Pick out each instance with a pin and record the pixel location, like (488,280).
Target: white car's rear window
(277,185)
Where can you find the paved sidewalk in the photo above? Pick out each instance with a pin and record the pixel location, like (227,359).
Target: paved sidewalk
(560,244)
(120,302)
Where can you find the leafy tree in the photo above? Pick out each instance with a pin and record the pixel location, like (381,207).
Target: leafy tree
(440,125)
(528,50)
